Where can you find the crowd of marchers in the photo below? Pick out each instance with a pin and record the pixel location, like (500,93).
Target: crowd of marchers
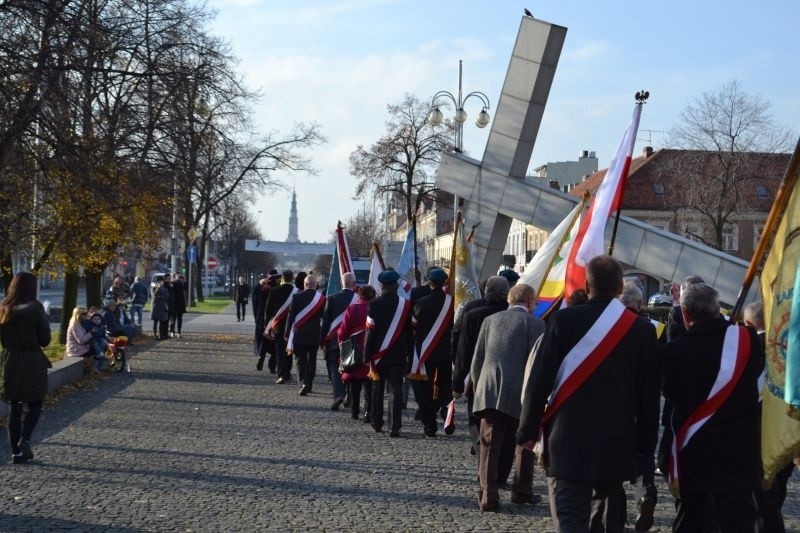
(579,393)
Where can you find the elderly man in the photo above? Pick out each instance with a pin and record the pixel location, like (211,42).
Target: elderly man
(335,306)
(494,301)
(498,366)
(596,372)
(303,331)
(710,375)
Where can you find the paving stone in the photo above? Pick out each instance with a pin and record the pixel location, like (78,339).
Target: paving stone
(195,439)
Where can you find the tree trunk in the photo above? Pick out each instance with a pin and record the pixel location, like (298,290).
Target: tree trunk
(7,270)
(94,287)
(70,301)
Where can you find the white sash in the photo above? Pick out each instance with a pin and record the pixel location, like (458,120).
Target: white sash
(280,313)
(394,329)
(302,317)
(434,334)
(334,328)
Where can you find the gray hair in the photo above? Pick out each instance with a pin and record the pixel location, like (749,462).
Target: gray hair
(349,279)
(631,295)
(496,288)
(310,282)
(754,315)
(700,301)
(691,280)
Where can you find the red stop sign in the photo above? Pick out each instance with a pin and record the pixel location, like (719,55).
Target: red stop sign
(211,264)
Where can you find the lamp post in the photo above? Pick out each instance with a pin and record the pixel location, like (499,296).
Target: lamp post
(436,117)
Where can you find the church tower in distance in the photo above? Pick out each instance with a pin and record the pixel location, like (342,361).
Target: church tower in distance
(293,220)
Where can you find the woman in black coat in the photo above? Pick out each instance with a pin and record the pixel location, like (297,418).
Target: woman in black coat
(24,330)
(178,291)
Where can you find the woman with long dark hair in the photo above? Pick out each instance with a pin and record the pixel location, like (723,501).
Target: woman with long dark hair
(24,331)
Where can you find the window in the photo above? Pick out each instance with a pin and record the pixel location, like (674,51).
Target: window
(658,188)
(758,228)
(761,192)
(730,238)
(693,231)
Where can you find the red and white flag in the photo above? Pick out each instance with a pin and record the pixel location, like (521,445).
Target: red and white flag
(590,241)
(343,251)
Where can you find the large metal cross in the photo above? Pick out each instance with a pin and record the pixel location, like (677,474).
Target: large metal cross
(497,190)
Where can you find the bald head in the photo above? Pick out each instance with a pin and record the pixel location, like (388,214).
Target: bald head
(310,282)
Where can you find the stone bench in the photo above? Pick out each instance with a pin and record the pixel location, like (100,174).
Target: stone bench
(68,370)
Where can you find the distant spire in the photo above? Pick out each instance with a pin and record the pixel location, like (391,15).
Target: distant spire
(293,220)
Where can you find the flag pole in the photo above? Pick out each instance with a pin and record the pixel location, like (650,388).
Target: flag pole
(451,277)
(641,99)
(770,228)
(377,252)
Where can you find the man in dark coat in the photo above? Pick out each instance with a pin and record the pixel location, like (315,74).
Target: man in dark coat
(387,345)
(275,315)
(262,345)
(493,302)
(241,294)
(335,306)
(303,331)
(605,405)
(718,462)
(432,367)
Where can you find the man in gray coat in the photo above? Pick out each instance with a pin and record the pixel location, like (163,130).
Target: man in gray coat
(498,367)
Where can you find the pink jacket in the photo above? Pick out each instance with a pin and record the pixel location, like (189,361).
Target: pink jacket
(355,319)
(77,340)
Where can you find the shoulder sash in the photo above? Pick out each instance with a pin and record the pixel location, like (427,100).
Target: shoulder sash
(735,353)
(304,315)
(433,337)
(394,330)
(333,330)
(593,348)
(281,313)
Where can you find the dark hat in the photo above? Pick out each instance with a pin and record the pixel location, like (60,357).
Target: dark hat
(510,275)
(437,275)
(273,278)
(387,277)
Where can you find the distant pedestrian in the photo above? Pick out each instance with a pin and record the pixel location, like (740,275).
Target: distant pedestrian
(178,292)
(140,296)
(241,293)
(160,311)
(24,331)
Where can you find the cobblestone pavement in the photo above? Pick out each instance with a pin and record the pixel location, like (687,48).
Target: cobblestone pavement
(194,439)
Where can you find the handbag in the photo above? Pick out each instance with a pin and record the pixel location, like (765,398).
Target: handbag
(349,354)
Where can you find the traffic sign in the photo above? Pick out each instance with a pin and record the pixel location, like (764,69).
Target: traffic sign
(192,234)
(191,253)
(211,263)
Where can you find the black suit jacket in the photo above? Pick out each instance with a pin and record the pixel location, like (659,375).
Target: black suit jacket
(471,322)
(425,312)
(597,432)
(309,333)
(275,298)
(724,454)
(382,310)
(335,305)
(458,320)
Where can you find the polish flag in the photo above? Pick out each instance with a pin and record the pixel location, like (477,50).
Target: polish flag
(590,241)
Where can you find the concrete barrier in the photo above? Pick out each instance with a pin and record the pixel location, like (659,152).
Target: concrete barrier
(68,370)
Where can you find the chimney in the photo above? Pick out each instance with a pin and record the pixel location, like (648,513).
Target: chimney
(553,184)
(585,153)
(648,151)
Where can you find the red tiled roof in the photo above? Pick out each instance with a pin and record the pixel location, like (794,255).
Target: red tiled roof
(668,168)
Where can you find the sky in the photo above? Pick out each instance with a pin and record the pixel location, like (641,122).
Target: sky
(339,63)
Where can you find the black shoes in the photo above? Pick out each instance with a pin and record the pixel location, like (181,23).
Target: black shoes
(260,363)
(449,430)
(644,520)
(347,401)
(18,459)
(394,433)
(280,381)
(25,449)
(430,432)
(336,403)
(303,391)
(366,418)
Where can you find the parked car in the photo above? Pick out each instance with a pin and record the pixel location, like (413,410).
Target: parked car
(660,300)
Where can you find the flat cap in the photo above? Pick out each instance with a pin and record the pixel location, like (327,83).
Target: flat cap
(510,275)
(437,275)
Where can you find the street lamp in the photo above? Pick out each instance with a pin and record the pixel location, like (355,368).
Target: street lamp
(435,117)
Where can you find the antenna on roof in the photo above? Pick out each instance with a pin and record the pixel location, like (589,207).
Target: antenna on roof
(649,136)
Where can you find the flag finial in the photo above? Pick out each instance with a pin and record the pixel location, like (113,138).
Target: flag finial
(642,96)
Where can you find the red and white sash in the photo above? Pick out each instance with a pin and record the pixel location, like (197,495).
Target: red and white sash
(394,330)
(315,305)
(735,353)
(595,346)
(333,330)
(283,310)
(429,343)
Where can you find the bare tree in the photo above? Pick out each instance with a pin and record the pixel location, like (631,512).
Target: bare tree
(403,161)
(725,136)
(363,229)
